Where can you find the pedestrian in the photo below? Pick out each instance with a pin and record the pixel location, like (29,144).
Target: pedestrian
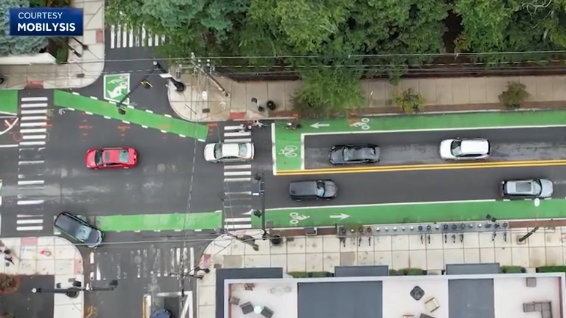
(8,257)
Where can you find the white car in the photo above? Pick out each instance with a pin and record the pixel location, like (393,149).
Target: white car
(229,152)
(465,149)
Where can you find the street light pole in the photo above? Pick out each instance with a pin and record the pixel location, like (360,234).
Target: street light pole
(74,290)
(179,86)
(523,238)
(260,178)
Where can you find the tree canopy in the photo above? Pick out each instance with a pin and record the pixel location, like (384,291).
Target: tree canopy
(11,45)
(9,283)
(331,44)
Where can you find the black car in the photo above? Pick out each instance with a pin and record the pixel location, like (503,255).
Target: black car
(78,229)
(354,154)
(313,190)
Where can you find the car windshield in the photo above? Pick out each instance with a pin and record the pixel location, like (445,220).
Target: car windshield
(456,147)
(243,150)
(218,151)
(83,233)
(98,157)
(124,156)
(537,187)
(320,188)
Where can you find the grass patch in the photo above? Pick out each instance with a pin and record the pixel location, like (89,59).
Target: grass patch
(551,269)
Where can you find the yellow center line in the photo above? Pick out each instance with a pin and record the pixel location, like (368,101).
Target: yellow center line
(425,167)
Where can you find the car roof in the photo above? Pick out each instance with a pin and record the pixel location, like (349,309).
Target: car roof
(304,187)
(231,149)
(67,221)
(474,146)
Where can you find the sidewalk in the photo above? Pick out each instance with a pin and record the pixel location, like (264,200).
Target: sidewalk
(324,252)
(65,263)
(79,71)
(441,95)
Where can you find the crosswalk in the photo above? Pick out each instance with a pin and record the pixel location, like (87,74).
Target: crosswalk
(237,183)
(125,37)
(138,263)
(32,137)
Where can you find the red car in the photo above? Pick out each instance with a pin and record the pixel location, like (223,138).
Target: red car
(111,158)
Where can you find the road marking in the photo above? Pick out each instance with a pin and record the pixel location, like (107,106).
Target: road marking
(302,152)
(240,140)
(26,118)
(34,105)
(9,146)
(237,173)
(238,134)
(232,127)
(238,167)
(33,99)
(237,179)
(30,182)
(237,226)
(29,228)
(33,130)
(385,204)
(33,112)
(31,162)
(425,167)
(34,221)
(234,220)
(273,150)
(30,202)
(32,143)
(34,137)
(36,124)
(149,111)
(238,193)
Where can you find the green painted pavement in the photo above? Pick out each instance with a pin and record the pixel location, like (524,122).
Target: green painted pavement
(413,213)
(116,87)
(134,116)
(159,222)
(288,142)
(8,102)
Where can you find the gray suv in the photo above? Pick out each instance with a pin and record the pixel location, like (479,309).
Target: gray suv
(313,190)
(529,188)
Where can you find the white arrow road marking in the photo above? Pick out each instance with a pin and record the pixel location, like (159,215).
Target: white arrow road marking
(318,125)
(342,216)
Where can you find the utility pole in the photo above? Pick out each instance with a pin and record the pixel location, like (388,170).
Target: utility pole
(260,178)
(207,70)
(119,104)
(179,86)
(73,291)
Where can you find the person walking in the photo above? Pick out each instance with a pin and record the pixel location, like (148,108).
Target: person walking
(8,256)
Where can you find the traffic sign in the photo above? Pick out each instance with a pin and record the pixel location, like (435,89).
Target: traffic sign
(116,87)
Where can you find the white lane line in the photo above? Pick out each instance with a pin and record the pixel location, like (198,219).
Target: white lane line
(237,173)
(237,179)
(28,221)
(30,202)
(31,162)
(33,112)
(236,220)
(30,182)
(238,134)
(33,130)
(238,167)
(238,193)
(33,99)
(9,146)
(237,226)
(29,228)
(35,105)
(91,257)
(238,140)
(338,207)
(232,127)
(35,124)
(29,118)
(34,137)
(273,150)
(32,143)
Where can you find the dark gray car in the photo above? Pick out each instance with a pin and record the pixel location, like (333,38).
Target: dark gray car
(354,154)
(528,188)
(78,229)
(313,190)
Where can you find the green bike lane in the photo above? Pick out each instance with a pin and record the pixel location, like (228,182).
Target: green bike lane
(147,119)
(418,212)
(289,143)
(8,102)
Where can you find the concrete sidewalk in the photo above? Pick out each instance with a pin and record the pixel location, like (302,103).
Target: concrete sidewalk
(203,101)
(49,255)
(78,71)
(323,253)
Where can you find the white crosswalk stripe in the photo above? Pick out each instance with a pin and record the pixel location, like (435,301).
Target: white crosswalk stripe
(32,137)
(237,176)
(140,263)
(125,37)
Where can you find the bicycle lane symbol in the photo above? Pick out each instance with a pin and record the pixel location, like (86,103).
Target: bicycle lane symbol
(296,218)
(289,151)
(363,124)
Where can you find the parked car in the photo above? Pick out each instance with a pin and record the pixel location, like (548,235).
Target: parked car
(465,149)
(529,188)
(78,229)
(229,152)
(313,190)
(111,158)
(354,154)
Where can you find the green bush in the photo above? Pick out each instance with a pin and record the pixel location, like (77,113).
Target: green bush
(551,269)
(412,271)
(515,94)
(393,272)
(512,269)
(310,274)
(410,101)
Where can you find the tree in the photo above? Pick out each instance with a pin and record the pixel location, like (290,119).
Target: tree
(409,101)
(11,45)
(515,94)
(9,283)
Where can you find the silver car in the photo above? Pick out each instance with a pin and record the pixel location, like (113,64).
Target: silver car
(229,152)
(529,188)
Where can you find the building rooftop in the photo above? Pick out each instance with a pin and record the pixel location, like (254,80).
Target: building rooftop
(441,296)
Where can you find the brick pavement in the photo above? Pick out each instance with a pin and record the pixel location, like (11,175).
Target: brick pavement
(49,255)
(324,252)
(203,101)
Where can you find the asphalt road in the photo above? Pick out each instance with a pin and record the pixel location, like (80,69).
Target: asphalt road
(415,186)
(164,181)
(422,147)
